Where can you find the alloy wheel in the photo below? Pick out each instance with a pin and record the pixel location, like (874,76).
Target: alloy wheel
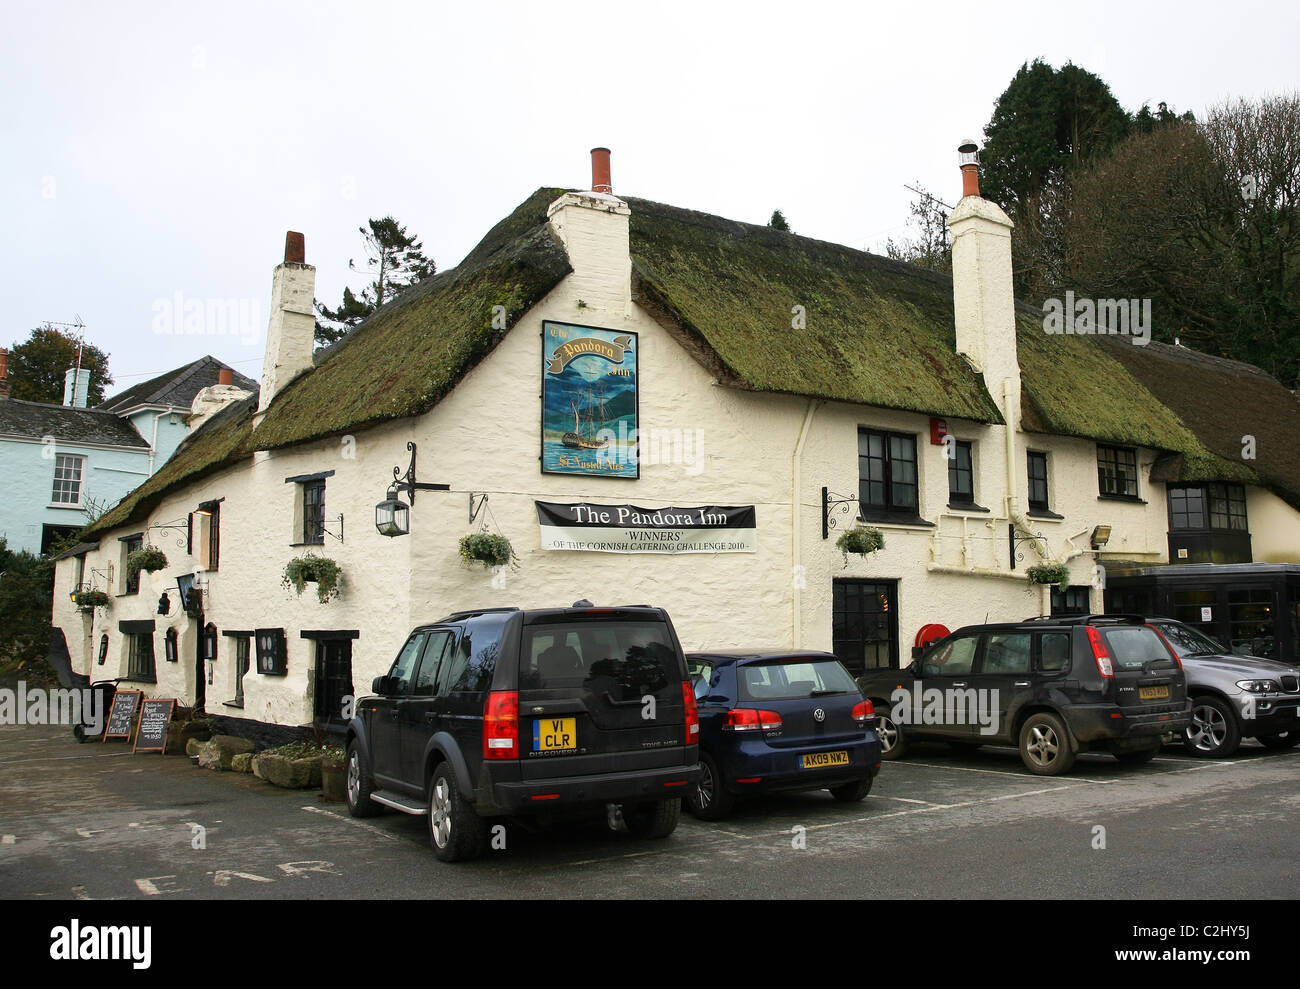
(1208,730)
(1043,745)
(704,789)
(440,812)
(354,779)
(887,732)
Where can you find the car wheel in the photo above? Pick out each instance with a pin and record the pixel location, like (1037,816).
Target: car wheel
(657,819)
(893,743)
(1213,733)
(1045,746)
(359,785)
(708,799)
(1138,756)
(455,830)
(850,793)
(1283,740)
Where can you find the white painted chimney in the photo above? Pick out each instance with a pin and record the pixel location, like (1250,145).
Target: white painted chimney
(593,227)
(76,387)
(983,297)
(291,331)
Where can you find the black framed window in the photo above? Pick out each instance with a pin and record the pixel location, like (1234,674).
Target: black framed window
(1071,601)
(887,478)
(1208,507)
(129,546)
(313,512)
(1037,466)
(961,474)
(864,624)
(1117,472)
(209,515)
(139,657)
(272,651)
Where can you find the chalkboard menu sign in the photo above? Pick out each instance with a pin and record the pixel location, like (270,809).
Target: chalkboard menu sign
(121,713)
(151,736)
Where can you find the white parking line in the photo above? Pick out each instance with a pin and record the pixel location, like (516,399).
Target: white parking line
(353,821)
(996,772)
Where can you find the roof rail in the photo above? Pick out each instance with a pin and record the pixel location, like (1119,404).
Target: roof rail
(1088,619)
(458,615)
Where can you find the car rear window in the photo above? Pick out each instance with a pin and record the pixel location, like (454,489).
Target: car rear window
(1133,646)
(790,679)
(627,659)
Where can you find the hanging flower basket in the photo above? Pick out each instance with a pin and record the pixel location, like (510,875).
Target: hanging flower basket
(310,569)
(150,558)
(861,539)
(87,600)
(1050,573)
(487,549)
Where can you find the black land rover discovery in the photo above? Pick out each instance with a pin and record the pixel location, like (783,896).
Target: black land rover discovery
(548,713)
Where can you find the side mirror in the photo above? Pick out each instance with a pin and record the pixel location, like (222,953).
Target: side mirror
(379,685)
(916,651)
(916,667)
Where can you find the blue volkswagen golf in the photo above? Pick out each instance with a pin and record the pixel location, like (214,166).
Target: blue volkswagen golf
(779,721)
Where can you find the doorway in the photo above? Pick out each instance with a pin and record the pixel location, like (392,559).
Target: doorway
(864,624)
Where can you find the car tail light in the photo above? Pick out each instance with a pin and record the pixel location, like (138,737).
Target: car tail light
(501,725)
(751,719)
(1171,649)
(864,712)
(1099,652)
(692,714)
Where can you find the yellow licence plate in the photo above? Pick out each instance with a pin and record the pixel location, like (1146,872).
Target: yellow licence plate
(820,760)
(554,734)
(1153,693)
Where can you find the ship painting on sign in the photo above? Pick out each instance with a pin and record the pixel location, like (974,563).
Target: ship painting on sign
(589,401)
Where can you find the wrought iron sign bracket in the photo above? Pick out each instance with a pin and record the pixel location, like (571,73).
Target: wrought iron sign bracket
(1016,540)
(473,511)
(325,528)
(837,504)
(179,525)
(408,483)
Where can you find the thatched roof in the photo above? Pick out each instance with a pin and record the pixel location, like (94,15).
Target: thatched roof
(878,333)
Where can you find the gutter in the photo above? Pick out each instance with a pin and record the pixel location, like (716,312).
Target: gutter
(796,542)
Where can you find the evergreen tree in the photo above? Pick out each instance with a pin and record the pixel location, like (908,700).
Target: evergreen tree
(778,221)
(394,258)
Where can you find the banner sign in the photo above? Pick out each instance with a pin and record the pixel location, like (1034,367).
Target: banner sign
(632,529)
(589,400)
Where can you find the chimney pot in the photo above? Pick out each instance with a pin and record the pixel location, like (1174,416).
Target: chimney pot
(600,181)
(225,376)
(295,248)
(969,157)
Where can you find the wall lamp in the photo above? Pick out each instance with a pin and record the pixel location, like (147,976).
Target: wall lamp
(392,517)
(1100,536)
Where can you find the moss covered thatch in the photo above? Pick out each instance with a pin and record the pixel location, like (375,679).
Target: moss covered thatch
(877,332)
(220,442)
(407,356)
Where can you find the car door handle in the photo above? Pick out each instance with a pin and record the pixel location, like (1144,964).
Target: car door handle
(429,717)
(959,683)
(1021,683)
(392,715)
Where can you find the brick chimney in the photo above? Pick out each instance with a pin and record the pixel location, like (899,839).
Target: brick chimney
(291,331)
(983,298)
(593,227)
(4,372)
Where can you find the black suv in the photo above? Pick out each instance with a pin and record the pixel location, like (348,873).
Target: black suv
(1053,687)
(546,714)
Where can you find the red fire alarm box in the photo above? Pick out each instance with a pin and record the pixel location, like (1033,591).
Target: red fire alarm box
(938,430)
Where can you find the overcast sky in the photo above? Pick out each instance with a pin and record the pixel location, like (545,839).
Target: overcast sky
(157,149)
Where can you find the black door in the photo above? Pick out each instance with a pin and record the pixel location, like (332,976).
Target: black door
(420,713)
(333,682)
(864,624)
(200,668)
(385,733)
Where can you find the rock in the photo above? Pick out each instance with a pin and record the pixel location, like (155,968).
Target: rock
(292,774)
(242,762)
(218,753)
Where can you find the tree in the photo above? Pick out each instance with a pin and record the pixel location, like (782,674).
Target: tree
(778,221)
(38,365)
(1203,219)
(930,249)
(396,261)
(26,598)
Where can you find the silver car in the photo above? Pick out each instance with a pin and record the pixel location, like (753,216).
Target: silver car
(1233,697)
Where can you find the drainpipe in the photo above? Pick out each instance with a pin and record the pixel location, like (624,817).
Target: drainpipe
(1011,447)
(153,444)
(796,542)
